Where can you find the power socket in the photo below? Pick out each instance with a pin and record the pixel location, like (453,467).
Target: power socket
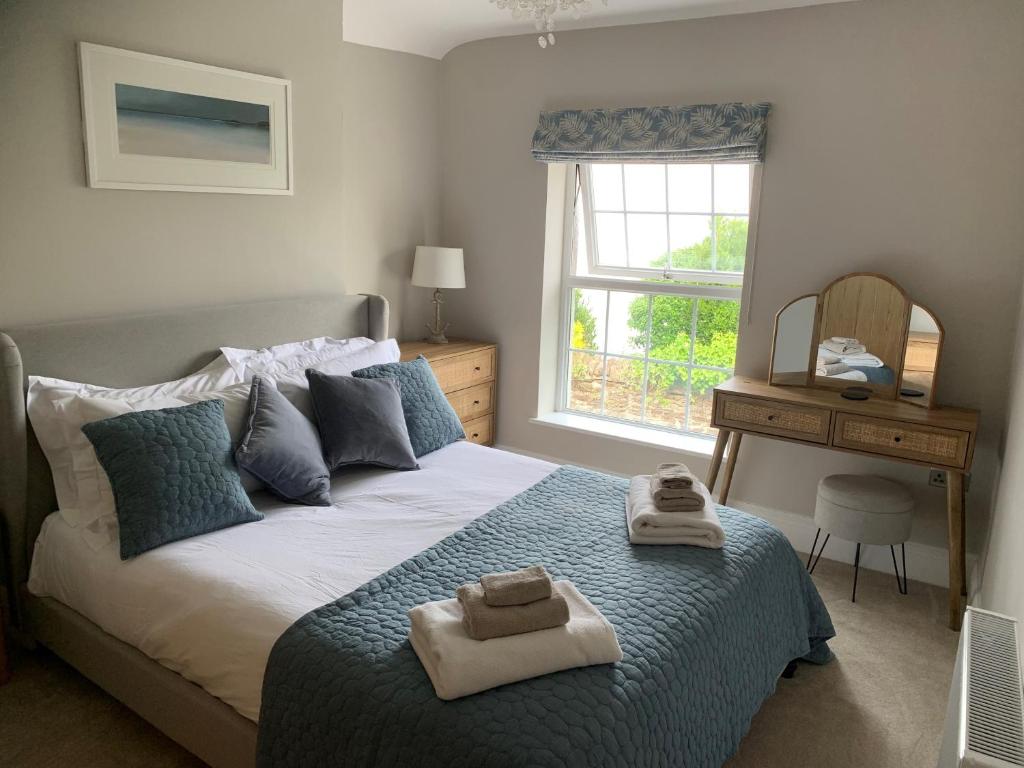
(937,478)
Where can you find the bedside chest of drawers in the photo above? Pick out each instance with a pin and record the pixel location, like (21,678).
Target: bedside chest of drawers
(467,372)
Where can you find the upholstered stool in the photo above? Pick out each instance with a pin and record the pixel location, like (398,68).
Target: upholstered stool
(865,509)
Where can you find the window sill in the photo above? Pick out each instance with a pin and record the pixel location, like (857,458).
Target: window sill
(628,433)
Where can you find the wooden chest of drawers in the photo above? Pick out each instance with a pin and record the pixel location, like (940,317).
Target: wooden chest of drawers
(467,372)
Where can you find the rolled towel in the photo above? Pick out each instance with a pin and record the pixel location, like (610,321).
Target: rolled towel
(827,358)
(459,666)
(832,369)
(483,621)
(646,525)
(674,475)
(516,587)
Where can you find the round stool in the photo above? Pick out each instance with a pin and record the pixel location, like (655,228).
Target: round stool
(868,510)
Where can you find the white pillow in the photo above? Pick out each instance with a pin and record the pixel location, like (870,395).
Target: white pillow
(294,385)
(280,358)
(97,512)
(44,394)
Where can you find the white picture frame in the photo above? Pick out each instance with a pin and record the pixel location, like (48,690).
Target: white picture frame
(155,123)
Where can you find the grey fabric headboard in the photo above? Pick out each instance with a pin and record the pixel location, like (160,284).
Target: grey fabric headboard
(134,351)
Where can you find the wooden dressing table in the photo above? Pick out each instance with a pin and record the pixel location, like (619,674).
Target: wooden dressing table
(937,437)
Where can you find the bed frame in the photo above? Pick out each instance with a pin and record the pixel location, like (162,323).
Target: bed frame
(126,352)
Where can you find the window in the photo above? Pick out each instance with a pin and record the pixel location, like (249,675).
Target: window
(652,282)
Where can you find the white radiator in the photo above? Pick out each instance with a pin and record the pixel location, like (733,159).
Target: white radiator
(985,719)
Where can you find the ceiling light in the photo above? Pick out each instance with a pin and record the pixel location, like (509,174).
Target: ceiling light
(542,12)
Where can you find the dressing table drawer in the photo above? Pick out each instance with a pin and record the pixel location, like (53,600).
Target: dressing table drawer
(799,422)
(465,370)
(902,440)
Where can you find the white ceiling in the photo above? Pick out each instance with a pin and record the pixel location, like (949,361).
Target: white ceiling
(434,27)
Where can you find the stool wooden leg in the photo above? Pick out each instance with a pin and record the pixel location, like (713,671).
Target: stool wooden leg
(716,459)
(730,466)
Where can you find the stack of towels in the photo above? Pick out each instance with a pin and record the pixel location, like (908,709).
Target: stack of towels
(838,356)
(672,507)
(508,627)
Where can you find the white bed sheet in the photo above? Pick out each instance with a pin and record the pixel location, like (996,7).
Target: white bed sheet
(212,607)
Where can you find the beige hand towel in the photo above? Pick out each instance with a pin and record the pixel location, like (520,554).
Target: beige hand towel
(483,621)
(646,525)
(459,666)
(675,476)
(517,587)
(677,500)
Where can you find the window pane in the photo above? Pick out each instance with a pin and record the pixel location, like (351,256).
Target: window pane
(623,393)
(689,188)
(666,395)
(588,318)
(703,385)
(731,243)
(607,183)
(585,381)
(732,188)
(627,323)
(645,187)
(671,321)
(648,240)
(717,324)
(690,241)
(611,239)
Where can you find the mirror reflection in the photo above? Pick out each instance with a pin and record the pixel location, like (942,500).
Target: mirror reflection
(924,340)
(861,334)
(794,335)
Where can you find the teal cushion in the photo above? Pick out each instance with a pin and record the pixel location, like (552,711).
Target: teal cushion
(429,417)
(172,474)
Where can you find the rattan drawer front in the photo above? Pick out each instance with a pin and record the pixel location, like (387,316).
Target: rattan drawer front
(772,418)
(941,447)
(480,430)
(473,402)
(461,371)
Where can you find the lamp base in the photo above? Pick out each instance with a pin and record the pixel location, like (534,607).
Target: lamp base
(438,328)
(437,338)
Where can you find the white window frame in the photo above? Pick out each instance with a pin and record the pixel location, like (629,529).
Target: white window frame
(632,280)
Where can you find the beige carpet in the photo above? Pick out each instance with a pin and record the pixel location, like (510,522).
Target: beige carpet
(881,703)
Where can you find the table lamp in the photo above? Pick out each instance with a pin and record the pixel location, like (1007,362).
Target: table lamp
(438,268)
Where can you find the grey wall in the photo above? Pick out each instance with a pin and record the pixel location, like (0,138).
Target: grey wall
(894,146)
(68,251)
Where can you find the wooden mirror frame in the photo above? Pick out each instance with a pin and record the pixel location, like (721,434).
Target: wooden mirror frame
(902,330)
(929,401)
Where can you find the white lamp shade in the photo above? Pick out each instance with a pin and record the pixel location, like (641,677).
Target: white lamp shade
(438,267)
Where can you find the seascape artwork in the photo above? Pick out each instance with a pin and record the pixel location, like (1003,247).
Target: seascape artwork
(156,122)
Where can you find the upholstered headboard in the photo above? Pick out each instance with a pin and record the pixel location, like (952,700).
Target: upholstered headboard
(134,351)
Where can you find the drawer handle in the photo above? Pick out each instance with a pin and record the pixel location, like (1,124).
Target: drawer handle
(476,434)
(477,368)
(771,417)
(897,439)
(476,402)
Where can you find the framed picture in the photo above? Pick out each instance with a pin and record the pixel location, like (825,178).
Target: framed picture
(157,123)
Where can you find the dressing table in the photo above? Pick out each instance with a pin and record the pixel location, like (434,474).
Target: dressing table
(894,415)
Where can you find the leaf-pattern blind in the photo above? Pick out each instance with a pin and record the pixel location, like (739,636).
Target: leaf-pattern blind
(702,133)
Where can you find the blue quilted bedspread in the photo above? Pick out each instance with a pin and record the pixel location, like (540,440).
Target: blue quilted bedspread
(705,635)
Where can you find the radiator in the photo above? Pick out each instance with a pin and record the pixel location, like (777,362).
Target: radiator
(985,718)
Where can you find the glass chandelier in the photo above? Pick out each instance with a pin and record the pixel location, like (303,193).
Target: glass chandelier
(542,12)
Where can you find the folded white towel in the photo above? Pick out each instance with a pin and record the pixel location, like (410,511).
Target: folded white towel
(863,360)
(827,358)
(847,375)
(459,666)
(648,526)
(842,347)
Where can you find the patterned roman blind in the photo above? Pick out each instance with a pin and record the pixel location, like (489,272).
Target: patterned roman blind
(702,133)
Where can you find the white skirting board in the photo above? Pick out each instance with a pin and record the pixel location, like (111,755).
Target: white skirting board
(925,563)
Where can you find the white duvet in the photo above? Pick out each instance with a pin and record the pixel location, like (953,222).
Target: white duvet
(211,607)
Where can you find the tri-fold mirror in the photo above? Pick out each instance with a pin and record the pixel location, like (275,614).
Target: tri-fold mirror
(863,335)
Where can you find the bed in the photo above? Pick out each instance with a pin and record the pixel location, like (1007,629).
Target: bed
(183,634)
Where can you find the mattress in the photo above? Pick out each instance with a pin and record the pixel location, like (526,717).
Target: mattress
(212,607)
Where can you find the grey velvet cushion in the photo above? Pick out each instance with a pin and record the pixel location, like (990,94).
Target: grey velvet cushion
(281,447)
(172,474)
(360,421)
(430,418)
